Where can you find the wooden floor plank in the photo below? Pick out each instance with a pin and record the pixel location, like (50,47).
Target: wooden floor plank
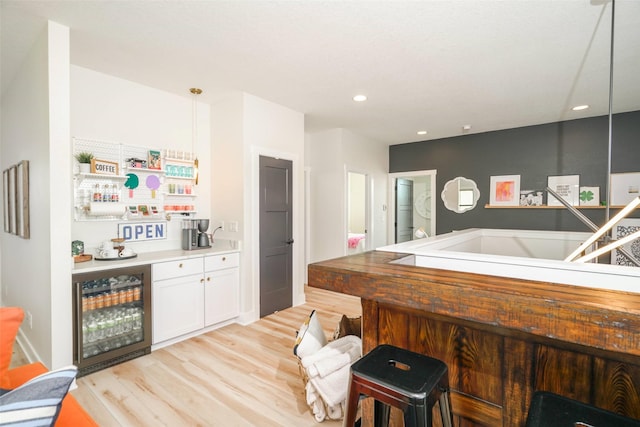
(233,376)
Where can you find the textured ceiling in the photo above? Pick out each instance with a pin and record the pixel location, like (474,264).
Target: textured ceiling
(433,65)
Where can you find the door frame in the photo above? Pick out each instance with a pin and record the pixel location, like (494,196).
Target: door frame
(251,293)
(368,207)
(392,201)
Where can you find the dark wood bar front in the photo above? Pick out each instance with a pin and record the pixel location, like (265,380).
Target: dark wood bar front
(501,338)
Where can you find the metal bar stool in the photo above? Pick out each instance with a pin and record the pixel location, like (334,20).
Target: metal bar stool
(403,379)
(550,410)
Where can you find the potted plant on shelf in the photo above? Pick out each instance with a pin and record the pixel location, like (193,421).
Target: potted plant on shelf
(84,159)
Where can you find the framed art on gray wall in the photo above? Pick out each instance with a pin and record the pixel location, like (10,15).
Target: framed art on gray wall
(624,228)
(624,188)
(505,190)
(567,187)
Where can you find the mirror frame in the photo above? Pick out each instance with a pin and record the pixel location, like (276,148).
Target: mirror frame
(453,185)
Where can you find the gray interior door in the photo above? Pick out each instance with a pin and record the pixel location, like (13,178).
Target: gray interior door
(276,242)
(404,210)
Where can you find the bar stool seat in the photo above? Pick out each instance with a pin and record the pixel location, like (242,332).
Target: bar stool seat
(403,379)
(550,410)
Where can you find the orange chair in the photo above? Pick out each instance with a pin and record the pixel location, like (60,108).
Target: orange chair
(71,413)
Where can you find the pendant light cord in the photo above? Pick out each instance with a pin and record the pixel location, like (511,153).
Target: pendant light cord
(194,129)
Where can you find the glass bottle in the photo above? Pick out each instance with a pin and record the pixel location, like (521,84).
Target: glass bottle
(97,194)
(115,195)
(106,194)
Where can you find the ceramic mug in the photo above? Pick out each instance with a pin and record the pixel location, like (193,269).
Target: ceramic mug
(125,253)
(109,253)
(106,245)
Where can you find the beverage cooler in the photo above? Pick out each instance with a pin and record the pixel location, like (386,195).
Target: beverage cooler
(111,317)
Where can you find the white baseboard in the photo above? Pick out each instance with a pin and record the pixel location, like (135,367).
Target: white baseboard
(26,347)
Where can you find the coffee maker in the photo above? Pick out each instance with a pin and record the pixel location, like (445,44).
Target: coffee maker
(203,237)
(194,234)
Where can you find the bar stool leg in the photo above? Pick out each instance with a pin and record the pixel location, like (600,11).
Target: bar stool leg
(417,416)
(381,412)
(351,411)
(445,408)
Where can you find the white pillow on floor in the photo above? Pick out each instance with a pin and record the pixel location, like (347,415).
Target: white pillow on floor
(311,337)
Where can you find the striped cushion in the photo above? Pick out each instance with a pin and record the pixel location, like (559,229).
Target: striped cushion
(38,401)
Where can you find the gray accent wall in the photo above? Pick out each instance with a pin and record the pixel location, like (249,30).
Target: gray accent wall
(576,147)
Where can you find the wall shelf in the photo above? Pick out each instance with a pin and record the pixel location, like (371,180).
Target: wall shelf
(132,170)
(179,195)
(98,176)
(549,207)
(152,193)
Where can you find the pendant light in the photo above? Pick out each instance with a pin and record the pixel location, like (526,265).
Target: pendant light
(194,129)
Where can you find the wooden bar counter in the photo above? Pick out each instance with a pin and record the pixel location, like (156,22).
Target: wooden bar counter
(501,338)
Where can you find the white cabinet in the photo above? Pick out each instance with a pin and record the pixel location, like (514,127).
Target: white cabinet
(221,287)
(177,293)
(195,293)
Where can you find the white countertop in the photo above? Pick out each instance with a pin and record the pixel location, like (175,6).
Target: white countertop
(218,247)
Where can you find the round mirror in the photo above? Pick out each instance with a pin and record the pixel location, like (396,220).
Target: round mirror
(460,194)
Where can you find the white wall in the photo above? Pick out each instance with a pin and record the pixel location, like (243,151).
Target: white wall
(49,102)
(324,158)
(371,157)
(107,108)
(243,128)
(35,127)
(227,175)
(356,206)
(329,155)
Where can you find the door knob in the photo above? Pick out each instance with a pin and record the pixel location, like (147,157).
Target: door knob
(288,242)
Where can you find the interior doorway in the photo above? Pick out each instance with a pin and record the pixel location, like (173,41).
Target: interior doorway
(412,201)
(358,213)
(404,210)
(276,231)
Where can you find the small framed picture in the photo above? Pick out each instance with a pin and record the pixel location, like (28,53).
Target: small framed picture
(6,205)
(505,190)
(143,210)
(589,196)
(104,167)
(567,187)
(154,160)
(133,211)
(532,197)
(624,188)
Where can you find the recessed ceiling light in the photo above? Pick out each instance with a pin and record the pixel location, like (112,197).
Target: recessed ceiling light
(580,107)
(360,98)
(422,132)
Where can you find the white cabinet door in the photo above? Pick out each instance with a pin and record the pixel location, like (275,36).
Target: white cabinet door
(221,295)
(177,306)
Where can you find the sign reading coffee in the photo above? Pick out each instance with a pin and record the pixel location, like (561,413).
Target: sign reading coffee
(104,167)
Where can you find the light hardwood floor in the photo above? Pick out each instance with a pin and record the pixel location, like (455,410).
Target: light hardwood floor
(233,376)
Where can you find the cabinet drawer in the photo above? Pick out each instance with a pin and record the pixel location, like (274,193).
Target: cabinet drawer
(217,262)
(171,269)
